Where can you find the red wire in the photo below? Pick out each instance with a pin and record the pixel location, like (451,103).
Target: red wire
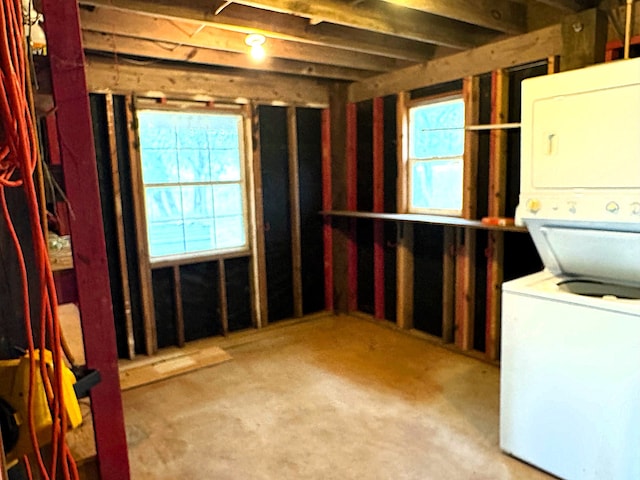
(18,157)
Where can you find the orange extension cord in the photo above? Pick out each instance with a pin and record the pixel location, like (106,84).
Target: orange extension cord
(18,157)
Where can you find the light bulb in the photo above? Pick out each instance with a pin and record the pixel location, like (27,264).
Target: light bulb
(257,52)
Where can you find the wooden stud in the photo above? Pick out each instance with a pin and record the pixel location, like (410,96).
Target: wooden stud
(222,297)
(404,253)
(260,310)
(4,475)
(326,205)
(177,300)
(352,204)
(378,206)
(553,64)
(448,284)
(73,115)
(466,239)
(294,213)
(496,208)
(584,39)
(142,243)
(117,206)
(340,232)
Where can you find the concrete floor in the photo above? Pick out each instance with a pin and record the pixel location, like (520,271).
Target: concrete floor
(332,398)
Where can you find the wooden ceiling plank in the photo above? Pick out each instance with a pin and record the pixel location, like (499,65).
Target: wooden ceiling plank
(104,42)
(416,26)
(105,75)
(569,6)
(507,53)
(127,23)
(501,15)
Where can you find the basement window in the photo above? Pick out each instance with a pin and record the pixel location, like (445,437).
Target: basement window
(436,149)
(193,176)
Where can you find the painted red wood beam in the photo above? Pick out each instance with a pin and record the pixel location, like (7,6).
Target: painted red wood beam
(327,205)
(378,207)
(73,115)
(352,204)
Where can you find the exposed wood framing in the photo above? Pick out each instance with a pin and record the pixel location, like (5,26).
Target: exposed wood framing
(277,25)
(177,301)
(222,297)
(514,51)
(352,204)
(142,243)
(254,187)
(502,15)
(117,205)
(340,233)
(378,206)
(157,81)
(89,250)
(466,239)
(496,208)
(326,205)
(553,64)
(294,213)
(448,284)
(584,39)
(404,253)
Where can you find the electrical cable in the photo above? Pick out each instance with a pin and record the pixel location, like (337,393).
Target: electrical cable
(18,161)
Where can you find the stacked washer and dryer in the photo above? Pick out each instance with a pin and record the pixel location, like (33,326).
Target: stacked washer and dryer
(570,374)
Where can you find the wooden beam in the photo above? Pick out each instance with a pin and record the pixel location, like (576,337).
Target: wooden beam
(340,238)
(404,250)
(418,26)
(117,205)
(326,205)
(471,95)
(503,54)
(584,39)
(155,81)
(496,208)
(115,23)
(239,18)
(177,300)
(89,249)
(569,6)
(448,284)
(294,211)
(222,297)
(118,45)
(258,259)
(352,204)
(501,15)
(142,242)
(378,206)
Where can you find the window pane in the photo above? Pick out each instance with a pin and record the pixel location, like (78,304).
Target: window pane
(163,203)
(437,184)
(193,176)
(229,232)
(437,129)
(166,238)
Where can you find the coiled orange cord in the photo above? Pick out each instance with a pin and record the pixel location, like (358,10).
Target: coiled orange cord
(18,159)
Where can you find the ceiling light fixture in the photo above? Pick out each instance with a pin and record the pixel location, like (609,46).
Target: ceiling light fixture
(255,41)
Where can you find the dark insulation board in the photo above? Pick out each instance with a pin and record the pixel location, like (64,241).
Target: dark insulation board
(165,309)
(239,304)
(103,163)
(309,123)
(427,290)
(364,228)
(274,156)
(200,306)
(480,303)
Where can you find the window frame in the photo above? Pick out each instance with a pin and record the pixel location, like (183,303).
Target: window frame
(244,182)
(411,161)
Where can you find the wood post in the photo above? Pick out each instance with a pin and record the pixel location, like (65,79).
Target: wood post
(326,205)
(448,284)
(378,207)
(177,300)
(75,130)
(404,255)
(496,208)
(352,204)
(294,213)
(584,39)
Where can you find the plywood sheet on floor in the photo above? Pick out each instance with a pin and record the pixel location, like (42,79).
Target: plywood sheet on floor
(333,398)
(169,364)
